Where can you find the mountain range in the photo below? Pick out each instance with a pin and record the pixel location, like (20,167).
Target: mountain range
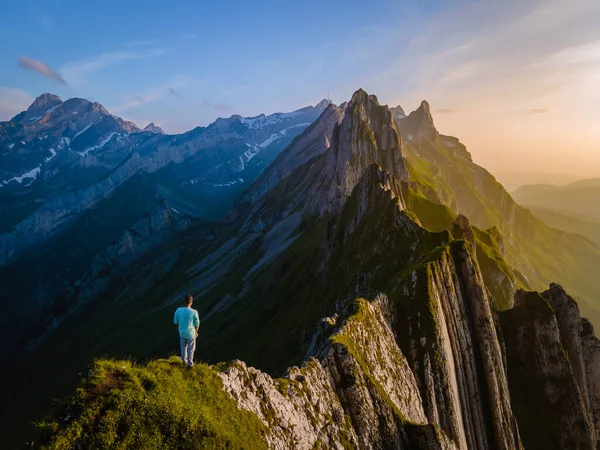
(389,278)
(81,188)
(580,199)
(514,180)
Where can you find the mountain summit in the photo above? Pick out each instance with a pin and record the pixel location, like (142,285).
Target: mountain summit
(419,124)
(153,128)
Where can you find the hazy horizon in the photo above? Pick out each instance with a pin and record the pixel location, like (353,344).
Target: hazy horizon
(516,82)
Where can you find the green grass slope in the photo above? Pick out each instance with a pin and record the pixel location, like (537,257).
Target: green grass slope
(160,405)
(537,253)
(568,223)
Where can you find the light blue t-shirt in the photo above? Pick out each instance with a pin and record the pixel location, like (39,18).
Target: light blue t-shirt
(188,321)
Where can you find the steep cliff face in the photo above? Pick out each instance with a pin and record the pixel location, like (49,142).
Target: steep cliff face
(359,393)
(366,135)
(552,357)
(546,397)
(448,331)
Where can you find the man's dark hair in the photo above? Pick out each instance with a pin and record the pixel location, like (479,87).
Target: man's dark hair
(188,300)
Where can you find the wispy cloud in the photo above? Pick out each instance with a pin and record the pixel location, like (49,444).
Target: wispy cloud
(77,71)
(170,88)
(40,67)
(13,101)
(448,111)
(137,100)
(218,106)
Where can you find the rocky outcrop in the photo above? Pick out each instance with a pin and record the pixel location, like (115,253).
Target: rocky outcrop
(581,347)
(419,124)
(543,381)
(359,393)
(428,368)
(446,329)
(367,135)
(591,359)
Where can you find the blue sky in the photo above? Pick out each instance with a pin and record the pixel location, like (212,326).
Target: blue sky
(217,58)
(517,80)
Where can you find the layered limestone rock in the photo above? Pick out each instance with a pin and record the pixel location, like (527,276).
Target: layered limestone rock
(360,393)
(447,332)
(320,178)
(367,135)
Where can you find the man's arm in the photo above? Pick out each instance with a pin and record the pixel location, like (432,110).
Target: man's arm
(176,319)
(196,322)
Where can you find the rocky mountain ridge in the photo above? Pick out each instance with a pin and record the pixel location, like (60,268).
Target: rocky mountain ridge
(412,336)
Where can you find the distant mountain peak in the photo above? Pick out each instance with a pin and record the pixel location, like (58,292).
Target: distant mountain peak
(419,124)
(366,135)
(323,104)
(361,96)
(398,112)
(45,100)
(42,105)
(152,128)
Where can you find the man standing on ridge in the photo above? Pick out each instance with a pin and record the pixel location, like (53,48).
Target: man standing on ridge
(187,322)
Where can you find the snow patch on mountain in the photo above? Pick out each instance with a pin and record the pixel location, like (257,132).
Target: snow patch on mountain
(449,144)
(262,120)
(51,109)
(82,131)
(53,154)
(231,183)
(255,149)
(101,144)
(33,173)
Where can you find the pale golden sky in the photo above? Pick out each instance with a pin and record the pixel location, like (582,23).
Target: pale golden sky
(517,82)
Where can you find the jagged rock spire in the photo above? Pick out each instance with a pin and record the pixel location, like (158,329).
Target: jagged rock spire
(367,135)
(419,124)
